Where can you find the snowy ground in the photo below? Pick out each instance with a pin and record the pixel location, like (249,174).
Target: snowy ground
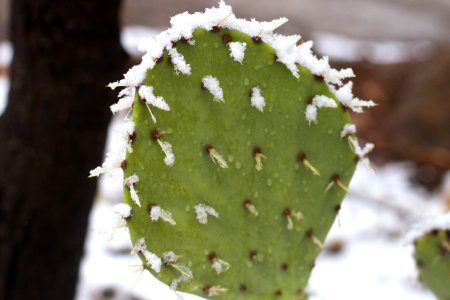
(375,261)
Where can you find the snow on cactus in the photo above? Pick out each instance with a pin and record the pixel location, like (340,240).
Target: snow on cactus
(240,155)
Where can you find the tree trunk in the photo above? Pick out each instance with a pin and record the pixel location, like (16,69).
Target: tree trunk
(51,135)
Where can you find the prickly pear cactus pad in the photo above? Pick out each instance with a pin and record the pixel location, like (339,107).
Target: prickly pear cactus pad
(239,150)
(432,253)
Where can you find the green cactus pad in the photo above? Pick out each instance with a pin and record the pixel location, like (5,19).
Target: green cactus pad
(239,154)
(433,261)
(264,257)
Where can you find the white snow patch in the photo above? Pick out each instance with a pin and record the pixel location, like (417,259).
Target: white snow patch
(134,77)
(348,130)
(124,103)
(152,259)
(202,211)
(306,58)
(336,77)
(139,246)
(111,163)
(311,113)
(345,96)
(157,213)
(237,51)
(146,92)
(212,85)
(220,266)
(166,147)
(127,129)
(169,257)
(441,222)
(186,275)
(178,61)
(126,91)
(122,210)
(286,50)
(130,182)
(257,99)
(321,101)
(216,290)
(361,153)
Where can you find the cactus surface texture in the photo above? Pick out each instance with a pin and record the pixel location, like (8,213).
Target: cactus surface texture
(432,252)
(238,153)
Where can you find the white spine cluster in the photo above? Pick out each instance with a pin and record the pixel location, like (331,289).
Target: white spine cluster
(174,284)
(220,266)
(166,147)
(257,99)
(293,214)
(202,211)
(212,85)
(127,130)
(361,153)
(252,208)
(345,96)
(146,93)
(169,257)
(139,246)
(124,103)
(311,113)
(318,101)
(321,101)
(217,158)
(111,163)
(123,210)
(157,213)
(216,290)
(179,62)
(152,259)
(130,182)
(348,130)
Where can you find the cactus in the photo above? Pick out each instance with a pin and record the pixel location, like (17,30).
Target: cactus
(238,154)
(432,253)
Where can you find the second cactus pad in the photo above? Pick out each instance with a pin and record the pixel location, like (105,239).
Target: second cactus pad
(238,159)
(433,261)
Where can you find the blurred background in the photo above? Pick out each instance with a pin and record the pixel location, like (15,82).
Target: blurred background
(400,52)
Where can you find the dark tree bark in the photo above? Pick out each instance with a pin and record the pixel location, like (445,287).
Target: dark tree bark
(51,135)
